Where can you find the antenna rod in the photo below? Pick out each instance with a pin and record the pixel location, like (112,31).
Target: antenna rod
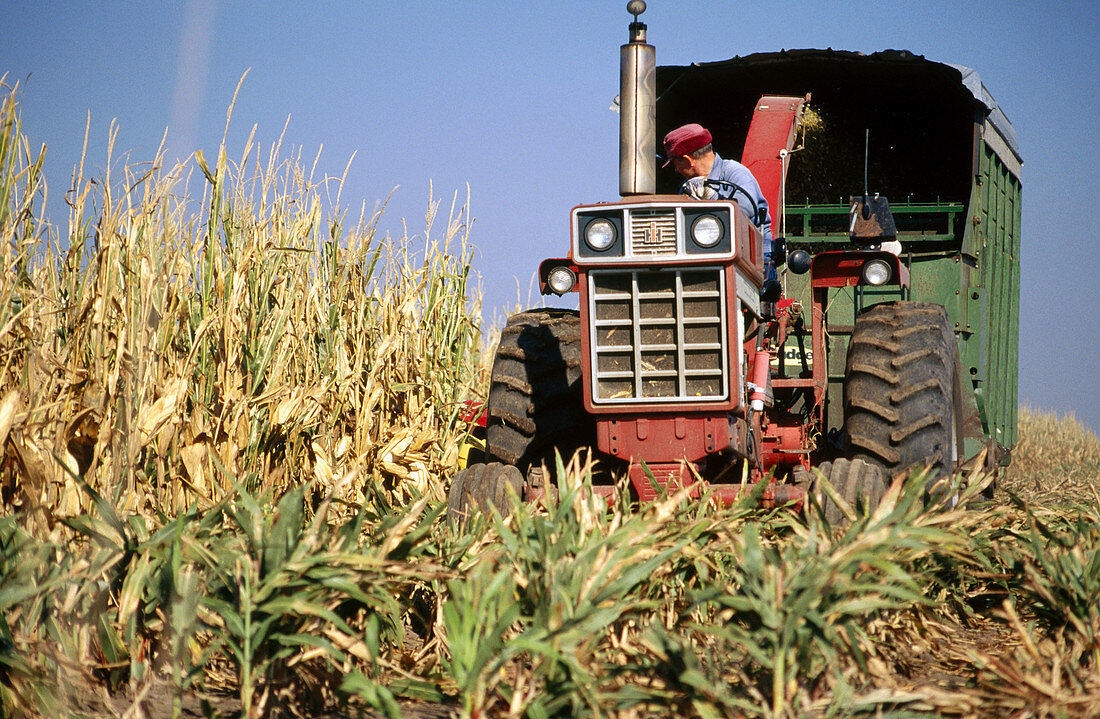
(866,156)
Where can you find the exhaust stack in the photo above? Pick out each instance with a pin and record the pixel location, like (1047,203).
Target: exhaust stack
(637,110)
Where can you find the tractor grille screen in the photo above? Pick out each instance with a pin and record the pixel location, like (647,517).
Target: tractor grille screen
(653,232)
(658,335)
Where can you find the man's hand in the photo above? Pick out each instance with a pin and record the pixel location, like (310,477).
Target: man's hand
(698,188)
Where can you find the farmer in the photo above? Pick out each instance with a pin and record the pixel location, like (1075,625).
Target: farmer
(709,176)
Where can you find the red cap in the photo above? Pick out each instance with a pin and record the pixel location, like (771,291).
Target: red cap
(685,140)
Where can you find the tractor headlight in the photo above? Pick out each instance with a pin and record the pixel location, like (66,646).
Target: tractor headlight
(600,234)
(561,280)
(706,230)
(876,272)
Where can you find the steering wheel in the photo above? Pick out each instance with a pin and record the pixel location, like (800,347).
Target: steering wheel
(734,188)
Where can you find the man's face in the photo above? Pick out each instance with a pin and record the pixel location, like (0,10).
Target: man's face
(685,166)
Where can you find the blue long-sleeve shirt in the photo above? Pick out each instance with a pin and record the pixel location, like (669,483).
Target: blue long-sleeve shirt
(726,177)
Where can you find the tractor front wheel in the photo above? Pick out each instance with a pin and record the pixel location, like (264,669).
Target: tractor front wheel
(483,488)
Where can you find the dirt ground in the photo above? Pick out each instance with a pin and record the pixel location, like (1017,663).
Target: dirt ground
(938,665)
(156,703)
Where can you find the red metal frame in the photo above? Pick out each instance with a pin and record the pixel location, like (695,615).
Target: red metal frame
(663,439)
(474,412)
(844,268)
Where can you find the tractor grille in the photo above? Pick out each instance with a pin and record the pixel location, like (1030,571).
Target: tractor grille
(658,335)
(653,232)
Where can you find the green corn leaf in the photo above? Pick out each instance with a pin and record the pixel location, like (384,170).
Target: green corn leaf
(376,695)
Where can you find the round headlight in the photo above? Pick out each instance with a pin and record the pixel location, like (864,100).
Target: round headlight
(876,272)
(706,230)
(599,234)
(561,280)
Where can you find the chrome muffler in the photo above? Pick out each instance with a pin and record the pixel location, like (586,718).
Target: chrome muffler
(637,110)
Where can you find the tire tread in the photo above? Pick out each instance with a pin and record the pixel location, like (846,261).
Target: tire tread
(898,389)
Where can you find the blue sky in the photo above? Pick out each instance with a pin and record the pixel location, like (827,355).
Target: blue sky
(512,99)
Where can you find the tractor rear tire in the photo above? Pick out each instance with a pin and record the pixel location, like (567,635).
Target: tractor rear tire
(859,483)
(535,403)
(481,488)
(899,402)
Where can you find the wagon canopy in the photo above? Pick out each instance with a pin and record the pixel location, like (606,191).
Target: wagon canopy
(925,119)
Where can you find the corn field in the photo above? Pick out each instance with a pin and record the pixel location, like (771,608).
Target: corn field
(229,416)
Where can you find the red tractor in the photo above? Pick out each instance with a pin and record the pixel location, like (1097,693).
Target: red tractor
(684,365)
